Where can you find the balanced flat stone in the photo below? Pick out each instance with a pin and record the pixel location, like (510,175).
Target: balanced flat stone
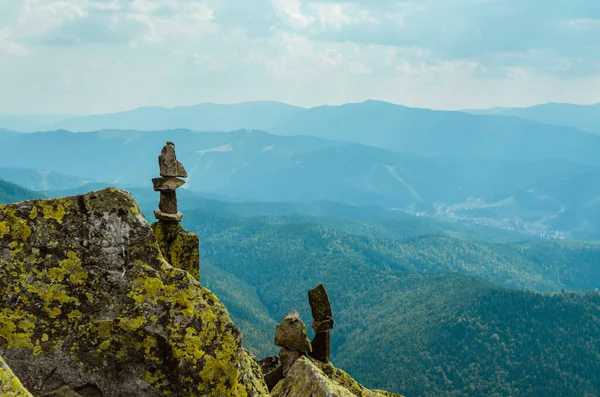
(322,325)
(321,347)
(291,333)
(163,216)
(321,309)
(167,161)
(168,183)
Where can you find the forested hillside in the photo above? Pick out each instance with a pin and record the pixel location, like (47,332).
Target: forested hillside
(10,193)
(409,315)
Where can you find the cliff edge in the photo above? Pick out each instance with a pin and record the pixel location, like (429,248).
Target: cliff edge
(88,301)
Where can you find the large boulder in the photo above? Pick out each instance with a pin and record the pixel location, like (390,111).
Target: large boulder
(10,385)
(312,378)
(89,302)
(291,333)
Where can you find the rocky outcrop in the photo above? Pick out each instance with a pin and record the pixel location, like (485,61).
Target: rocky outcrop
(89,302)
(312,378)
(10,385)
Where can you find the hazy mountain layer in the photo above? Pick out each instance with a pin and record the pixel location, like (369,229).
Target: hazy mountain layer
(381,124)
(549,197)
(585,117)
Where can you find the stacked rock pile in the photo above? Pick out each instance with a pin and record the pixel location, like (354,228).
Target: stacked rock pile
(170,171)
(291,336)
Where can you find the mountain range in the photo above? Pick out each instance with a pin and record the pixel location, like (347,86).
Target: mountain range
(371,122)
(549,196)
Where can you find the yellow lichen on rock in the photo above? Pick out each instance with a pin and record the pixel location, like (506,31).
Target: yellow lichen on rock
(179,247)
(10,385)
(4,229)
(89,293)
(53,209)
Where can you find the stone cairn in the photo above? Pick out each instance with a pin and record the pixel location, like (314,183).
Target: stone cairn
(170,171)
(179,247)
(291,336)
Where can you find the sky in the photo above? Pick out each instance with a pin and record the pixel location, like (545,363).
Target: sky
(97,56)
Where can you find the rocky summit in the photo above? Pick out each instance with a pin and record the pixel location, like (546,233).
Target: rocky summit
(92,307)
(89,301)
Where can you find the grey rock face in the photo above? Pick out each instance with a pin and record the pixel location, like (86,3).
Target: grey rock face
(167,161)
(305,379)
(64,391)
(291,333)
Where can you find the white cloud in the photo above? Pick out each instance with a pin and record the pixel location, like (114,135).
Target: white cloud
(8,46)
(107,55)
(290,12)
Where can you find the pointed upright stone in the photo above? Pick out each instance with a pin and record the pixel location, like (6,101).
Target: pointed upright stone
(167,161)
(321,309)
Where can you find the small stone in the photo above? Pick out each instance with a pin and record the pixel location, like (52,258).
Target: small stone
(168,202)
(322,325)
(167,161)
(291,333)
(162,216)
(287,358)
(321,346)
(274,377)
(269,363)
(170,183)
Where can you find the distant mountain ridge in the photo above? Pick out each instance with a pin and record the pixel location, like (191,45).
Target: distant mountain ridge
(380,124)
(204,117)
(584,117)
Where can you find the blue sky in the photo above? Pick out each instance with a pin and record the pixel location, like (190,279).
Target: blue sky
(90,56)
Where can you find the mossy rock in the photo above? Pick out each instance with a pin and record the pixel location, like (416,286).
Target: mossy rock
(312,378)
(89,302)
(10,385)
(179,247)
